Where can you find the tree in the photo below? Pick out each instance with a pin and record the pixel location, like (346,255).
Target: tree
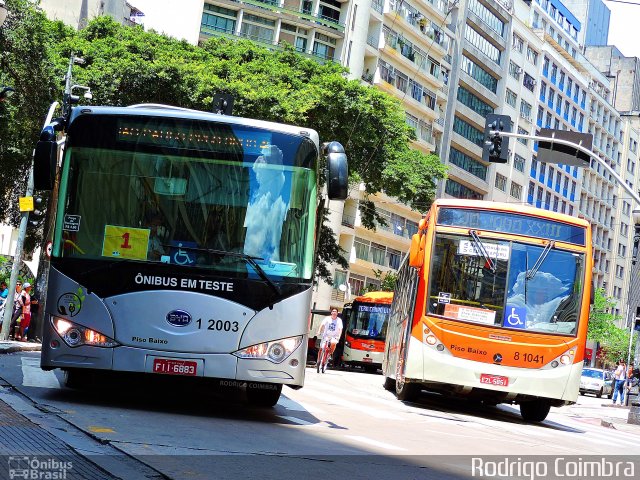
(126,65)
(614,341)
(26,41)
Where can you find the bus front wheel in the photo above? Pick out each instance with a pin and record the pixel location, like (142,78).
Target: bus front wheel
(407,392)
(535,411)
(389,384)
(263,394)
(75,379)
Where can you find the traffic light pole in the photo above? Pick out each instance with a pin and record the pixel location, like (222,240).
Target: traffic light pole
(580,148)
(623,184)
(17,260)
(17,257)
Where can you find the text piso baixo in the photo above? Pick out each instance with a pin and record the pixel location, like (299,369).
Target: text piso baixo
(183,283)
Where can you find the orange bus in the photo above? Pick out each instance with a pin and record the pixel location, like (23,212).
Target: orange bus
(492,303)
(365,325)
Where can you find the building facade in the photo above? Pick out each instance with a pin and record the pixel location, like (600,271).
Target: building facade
(450,64)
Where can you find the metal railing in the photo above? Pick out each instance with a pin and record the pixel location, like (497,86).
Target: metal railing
(303,13)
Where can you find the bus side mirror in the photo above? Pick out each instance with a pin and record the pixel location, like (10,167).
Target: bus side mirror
(592,296)
(45,159)
(337,172)
(416,253)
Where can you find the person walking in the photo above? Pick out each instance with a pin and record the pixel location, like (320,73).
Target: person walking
(631,385)
(620,375)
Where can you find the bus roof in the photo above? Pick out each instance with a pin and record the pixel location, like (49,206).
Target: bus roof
(169,111)
(512,208)
(375,297)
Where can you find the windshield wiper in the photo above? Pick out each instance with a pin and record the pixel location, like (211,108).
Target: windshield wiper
(247,258)
(536,266)
(480,246)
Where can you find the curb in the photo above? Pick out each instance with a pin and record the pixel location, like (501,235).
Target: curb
(12,347)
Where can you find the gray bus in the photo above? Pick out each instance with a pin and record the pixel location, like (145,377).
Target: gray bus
(181,243)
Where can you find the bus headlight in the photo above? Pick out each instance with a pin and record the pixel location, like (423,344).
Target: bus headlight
(276,351)
(76,335)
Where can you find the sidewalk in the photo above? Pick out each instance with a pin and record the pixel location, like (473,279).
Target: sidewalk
(11,346)
(606,415)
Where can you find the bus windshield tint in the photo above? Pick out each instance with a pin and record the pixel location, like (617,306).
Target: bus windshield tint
(510,295)
(518,224)
(120,199)
(369,321)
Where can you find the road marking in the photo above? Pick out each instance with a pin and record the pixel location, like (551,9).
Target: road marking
(295,420)
(101,430)
(357,407)
(34,376)
(375,443)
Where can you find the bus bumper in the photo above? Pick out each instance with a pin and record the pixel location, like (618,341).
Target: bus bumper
(216,365)
(441,371)
(361,357)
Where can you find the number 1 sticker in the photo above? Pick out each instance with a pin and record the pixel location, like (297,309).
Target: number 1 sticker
(125,242)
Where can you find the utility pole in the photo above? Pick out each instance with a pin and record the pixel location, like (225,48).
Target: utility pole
(69,98)
(17,259)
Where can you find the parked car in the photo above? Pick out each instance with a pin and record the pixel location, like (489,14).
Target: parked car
(596,381)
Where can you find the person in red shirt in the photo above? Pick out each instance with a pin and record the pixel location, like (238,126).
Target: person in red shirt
(26,311)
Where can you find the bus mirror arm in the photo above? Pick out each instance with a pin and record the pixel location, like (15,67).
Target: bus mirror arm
(416,253)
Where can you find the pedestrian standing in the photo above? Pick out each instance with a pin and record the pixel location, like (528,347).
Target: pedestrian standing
(32,332)
(17,309)
(26,312)
(4,294)
(620,375)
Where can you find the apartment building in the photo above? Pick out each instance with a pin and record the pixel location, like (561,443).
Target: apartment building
(450,64)
(406,53)
(479,52)
(78,13)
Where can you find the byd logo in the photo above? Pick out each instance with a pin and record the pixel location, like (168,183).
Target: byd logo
(179,318)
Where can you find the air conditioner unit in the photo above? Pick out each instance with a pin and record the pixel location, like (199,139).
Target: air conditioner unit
(519,70)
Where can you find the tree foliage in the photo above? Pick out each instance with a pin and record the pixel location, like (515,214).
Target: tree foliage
(614,340)
(126,65)
(26,41)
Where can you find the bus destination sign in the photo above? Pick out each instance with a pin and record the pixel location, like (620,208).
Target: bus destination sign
(513,223)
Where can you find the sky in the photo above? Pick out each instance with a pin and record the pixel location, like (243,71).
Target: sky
(623,28)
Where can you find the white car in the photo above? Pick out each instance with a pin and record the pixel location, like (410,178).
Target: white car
(596,381)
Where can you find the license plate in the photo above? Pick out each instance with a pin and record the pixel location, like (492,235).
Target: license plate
(365,359)
(175,367)
(498,380)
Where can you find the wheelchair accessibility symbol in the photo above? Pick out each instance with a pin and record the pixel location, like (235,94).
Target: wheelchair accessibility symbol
(515,317)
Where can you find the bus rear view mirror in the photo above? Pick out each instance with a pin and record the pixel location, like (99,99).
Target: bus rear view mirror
(44,164)
(337,172)
(416,253)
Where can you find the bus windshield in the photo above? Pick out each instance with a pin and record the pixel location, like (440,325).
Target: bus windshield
(506,284)
(188,192)
(368,321)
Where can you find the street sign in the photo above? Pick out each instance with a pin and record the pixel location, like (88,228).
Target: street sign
(550,152)
(26,204)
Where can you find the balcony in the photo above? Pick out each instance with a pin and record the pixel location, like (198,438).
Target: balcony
(269,44)
(349,221)
(378,5)
(277,6)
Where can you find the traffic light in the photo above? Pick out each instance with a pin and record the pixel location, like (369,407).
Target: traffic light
(36,216)
(496,147)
